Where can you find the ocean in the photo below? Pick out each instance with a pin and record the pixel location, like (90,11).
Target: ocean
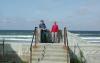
(16,36)
(26,36)
(89,36)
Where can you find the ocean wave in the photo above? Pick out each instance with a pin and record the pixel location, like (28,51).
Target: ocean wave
(94,41)
(77,34)
(11,36)
(90,37)
(88,34)
(14,39)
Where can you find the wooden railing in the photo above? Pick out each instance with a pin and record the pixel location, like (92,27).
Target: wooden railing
(31,50)
(3,49)
(66,45)
(33,40)
(2,58)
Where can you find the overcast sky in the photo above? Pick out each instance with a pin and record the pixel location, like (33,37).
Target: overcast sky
(25,14)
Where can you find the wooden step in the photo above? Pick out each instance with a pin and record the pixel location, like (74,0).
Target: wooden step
(49,53)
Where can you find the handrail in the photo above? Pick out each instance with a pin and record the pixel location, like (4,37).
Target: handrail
(3,49)
(66,38)
(3,52)
(31,49)
(65,35)
(66,45)
(34,34)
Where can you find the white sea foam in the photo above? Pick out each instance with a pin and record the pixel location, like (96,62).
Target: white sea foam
(94,41)
(90,37)
(89,34)
(77,34)
(16,39)
(15,35)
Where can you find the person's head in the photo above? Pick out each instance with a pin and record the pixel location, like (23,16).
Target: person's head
(41,21)
(55,22)
(36,27)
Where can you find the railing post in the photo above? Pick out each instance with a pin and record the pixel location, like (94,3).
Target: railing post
(35,32)
(65,35)
(3,49)
(67,40)
(66,44)
(31,49)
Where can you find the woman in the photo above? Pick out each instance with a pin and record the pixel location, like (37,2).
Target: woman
(54,31)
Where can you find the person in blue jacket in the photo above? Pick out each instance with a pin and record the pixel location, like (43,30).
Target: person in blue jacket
(42,27)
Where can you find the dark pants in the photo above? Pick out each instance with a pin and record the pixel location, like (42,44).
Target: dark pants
(43,36)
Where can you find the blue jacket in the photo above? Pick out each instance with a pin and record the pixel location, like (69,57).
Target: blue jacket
(43,26)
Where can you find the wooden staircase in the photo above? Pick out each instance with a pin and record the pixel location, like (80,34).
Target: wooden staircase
(49,53)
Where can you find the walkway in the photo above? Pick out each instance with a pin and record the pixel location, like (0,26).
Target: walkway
(49,53)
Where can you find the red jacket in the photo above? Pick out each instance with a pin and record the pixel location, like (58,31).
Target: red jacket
(55,28)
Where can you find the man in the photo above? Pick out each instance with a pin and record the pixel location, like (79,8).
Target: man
(42,27)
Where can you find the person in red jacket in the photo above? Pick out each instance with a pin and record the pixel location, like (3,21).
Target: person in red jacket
(54,31)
